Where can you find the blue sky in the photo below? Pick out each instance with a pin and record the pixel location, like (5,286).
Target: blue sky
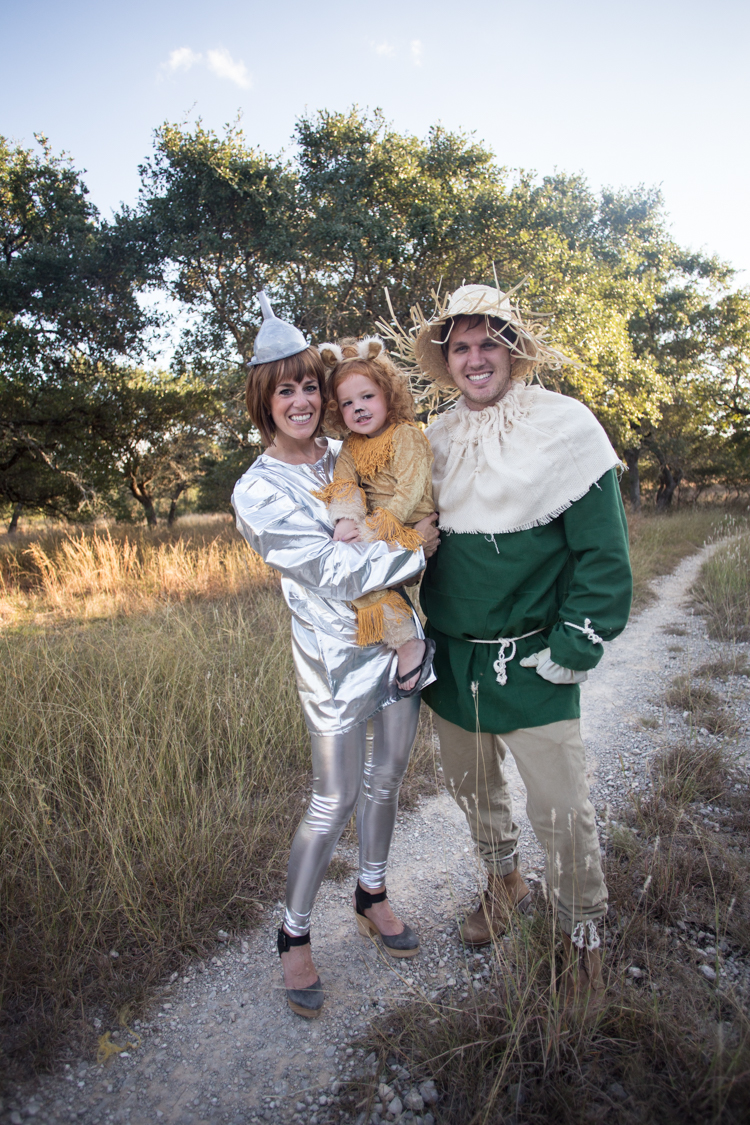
(646,92)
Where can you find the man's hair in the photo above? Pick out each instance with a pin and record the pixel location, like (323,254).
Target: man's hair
(264,378)
(383,372)
(498,328)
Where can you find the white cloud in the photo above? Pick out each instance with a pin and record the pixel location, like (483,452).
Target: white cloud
(416,52)
(181,59)
(386,49)
(224,66)
(219,62)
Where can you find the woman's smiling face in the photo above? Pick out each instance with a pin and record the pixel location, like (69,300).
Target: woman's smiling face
(295,408)
(362,405)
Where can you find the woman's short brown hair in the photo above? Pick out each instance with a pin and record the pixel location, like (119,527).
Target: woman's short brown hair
(383,372)
(264,378)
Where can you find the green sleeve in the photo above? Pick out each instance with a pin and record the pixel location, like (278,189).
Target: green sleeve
(600,589)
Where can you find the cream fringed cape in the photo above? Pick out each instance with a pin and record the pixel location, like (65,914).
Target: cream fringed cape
(517,464)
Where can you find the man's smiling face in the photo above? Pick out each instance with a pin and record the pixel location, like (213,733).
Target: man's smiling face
(479,364)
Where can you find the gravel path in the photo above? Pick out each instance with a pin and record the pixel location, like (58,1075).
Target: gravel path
(222,1046)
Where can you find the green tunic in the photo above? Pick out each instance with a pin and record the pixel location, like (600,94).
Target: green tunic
(481,586)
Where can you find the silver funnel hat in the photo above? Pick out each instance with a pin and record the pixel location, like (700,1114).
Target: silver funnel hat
(276,338)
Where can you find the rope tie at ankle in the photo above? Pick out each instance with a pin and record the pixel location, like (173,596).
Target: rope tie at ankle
(585,935)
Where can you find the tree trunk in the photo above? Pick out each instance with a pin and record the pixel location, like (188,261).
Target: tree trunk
(631,460)
(177,492)
(13,525)
(668,482)
(145,500)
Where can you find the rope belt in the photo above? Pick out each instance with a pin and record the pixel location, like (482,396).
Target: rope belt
(502,658)
(510,643)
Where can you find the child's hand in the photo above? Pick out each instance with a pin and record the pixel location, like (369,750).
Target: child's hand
(346,531)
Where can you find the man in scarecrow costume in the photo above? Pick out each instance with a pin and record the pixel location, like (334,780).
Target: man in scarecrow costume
(531,577)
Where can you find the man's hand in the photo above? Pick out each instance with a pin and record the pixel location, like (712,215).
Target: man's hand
(430,534)
(346,531)
(548,670)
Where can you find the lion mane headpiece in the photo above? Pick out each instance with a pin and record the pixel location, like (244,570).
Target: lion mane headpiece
(369,347)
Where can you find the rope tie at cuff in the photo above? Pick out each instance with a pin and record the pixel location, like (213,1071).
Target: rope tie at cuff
(587,629)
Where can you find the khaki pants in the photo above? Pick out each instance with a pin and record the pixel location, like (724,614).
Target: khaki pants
(551,760)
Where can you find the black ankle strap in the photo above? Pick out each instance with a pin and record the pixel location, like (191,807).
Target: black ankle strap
(285,941)
(364,899)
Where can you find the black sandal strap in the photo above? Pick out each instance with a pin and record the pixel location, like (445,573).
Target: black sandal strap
(408,675)
(285,941)
(365,899)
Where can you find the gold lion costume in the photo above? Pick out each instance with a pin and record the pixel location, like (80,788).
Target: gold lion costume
(384,484)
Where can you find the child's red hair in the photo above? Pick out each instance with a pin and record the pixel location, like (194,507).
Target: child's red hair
(380,370)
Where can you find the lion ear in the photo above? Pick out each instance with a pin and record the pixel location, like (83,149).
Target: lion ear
(370,347)
(330,354)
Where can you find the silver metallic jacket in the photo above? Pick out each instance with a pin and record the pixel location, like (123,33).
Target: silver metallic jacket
(340,684)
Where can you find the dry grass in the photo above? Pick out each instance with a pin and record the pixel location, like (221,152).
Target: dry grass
(90,574)
(153,767)
(702,704)
(697,870)
(152,774)
(94,573)
(723,667)
(659,543)
(722,592)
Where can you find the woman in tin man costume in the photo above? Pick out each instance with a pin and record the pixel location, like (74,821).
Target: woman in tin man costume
(341,685)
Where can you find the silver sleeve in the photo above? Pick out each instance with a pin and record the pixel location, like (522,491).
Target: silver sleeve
(291,540)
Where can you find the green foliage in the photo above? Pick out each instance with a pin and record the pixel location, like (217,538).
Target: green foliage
(68,312)
(219,475)
(662,341)
(698,336)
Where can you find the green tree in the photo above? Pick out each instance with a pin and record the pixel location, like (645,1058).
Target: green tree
(68,313)
(697,333)
(361,208)
(166,426)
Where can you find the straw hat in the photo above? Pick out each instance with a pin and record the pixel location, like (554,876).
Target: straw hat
(420,348)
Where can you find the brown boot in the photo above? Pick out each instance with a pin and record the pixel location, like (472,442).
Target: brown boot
(503,895)
(581,984)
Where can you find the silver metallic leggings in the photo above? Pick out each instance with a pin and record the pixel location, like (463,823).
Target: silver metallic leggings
(350,770)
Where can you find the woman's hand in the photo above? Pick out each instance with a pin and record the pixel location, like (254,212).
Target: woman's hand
(430,534)
(346,531)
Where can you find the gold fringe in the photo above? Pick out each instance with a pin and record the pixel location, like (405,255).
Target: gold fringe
(344,490)
(370,455)
(370,625)
(371,620)
(390,530)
